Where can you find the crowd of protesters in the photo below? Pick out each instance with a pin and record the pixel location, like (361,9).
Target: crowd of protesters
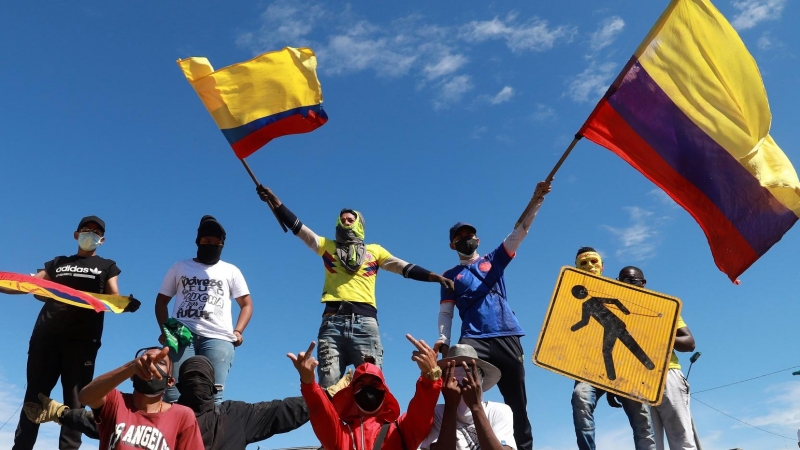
(178,388)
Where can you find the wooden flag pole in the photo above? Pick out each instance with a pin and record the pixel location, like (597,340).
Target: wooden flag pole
(271,206)
(549,177)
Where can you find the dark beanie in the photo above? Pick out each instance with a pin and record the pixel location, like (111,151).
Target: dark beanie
(209,227)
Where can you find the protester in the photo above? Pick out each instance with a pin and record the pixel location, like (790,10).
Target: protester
(349,332)
(487,322)
(231,425)
(141,419)
(365,415)
(585,396)
(201,317)
(465,421)
(66,338)
(672,417)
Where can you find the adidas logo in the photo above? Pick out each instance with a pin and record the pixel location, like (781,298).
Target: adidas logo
(95,271)
(72,269)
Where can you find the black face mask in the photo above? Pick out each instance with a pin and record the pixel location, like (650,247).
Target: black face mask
(197,392)
(369,398)
(467,246)
(152,387)
(208,253)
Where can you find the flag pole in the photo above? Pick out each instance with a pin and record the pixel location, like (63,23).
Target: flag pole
(271,206)
(550,177)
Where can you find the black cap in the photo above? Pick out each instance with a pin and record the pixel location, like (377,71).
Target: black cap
(454,229)
(210,227)
(94,219)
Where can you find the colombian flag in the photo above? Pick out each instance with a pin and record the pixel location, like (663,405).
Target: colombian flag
(690,112)
(58,292)
(256,101)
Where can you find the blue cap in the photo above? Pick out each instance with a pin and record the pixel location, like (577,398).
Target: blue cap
(459,225)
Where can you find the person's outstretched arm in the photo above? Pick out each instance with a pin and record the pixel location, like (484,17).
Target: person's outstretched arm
(289,219)
(407,270)
(266,419)
(416,423)
(94,393)
(512,242)
(325,421)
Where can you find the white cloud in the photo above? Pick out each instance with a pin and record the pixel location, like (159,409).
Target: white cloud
(608,31)
(542,112)
(534,35)
(445,66)
(435,55)
(768,42)
(479,132)
(592,82)
(452,90)
(639,240)
(753,12)
(661,197)
(503,96)
(785,410)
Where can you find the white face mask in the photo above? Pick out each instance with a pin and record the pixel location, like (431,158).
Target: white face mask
(89,241)
(463,414)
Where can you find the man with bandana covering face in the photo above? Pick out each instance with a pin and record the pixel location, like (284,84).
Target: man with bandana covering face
(365,410)
(142,419)
(231,425)
(487,322)
(585,396)
(349,332)
(204,287)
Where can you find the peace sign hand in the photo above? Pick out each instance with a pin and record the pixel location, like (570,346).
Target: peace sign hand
(451,389)
(305,364)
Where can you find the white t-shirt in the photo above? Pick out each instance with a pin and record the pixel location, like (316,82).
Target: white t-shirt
(203,296)
(501,419)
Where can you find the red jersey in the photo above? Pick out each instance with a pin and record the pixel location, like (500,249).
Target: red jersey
(122,427)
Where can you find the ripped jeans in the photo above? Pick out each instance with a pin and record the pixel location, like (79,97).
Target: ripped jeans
(345,340)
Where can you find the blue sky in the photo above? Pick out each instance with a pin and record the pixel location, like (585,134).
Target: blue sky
(439,112)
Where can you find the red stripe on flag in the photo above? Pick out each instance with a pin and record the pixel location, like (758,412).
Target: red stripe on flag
(732,253)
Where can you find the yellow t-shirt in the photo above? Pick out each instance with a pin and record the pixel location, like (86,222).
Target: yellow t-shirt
(673,361)
(341,284)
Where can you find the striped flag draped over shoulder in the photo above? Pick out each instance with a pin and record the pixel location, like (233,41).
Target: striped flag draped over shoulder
(690,112)
(253,102)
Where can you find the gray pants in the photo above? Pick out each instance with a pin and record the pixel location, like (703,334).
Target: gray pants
(672,416)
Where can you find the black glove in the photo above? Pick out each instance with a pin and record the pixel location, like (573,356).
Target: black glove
(613,400)
(133,305)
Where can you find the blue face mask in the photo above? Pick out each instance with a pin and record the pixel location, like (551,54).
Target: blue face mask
(89,241)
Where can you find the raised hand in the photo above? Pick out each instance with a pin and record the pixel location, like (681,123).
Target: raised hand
(542,188)
(424,356)
(444,282)
(471,386)
(451,389)
(305,364)
(145,365)
(267,195)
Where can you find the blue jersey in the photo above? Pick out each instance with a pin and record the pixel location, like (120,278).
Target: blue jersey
(480,296)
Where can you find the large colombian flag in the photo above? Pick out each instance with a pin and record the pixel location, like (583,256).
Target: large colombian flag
(256,101)
(689,111)
(58,292)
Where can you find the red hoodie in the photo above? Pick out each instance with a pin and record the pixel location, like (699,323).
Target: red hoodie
(340,425)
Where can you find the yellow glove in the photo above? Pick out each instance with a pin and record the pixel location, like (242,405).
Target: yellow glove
(341,384)
(48,410)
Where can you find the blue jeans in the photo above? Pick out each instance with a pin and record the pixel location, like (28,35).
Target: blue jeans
(219,351)
(584,401)
(345,340)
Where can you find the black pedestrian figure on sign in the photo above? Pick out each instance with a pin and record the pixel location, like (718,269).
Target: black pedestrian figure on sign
(613,328)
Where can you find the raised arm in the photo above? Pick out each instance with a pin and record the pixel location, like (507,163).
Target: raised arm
(514,239)
(416,423)
(325,421)
(94,393)
(289,219)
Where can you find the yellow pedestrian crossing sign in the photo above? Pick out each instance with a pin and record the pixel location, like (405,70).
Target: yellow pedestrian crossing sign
(615,336)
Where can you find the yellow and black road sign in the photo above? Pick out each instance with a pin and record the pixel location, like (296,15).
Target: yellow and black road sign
(612,335)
